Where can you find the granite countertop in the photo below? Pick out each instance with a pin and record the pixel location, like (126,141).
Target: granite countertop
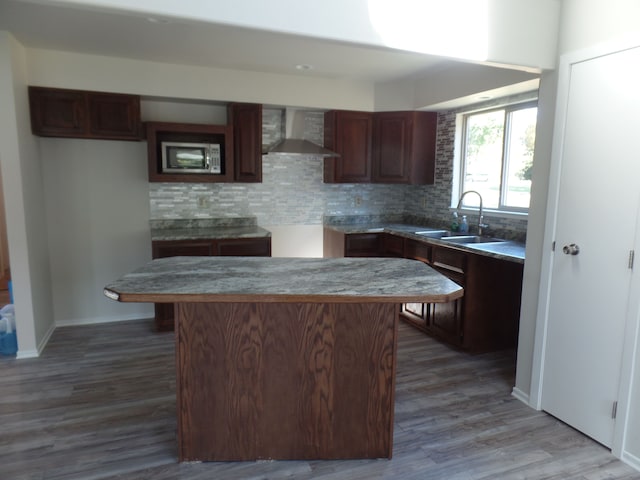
(268,279)
(213,232)
(504,250)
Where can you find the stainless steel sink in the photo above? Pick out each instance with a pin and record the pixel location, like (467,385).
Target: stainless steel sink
(470,239)
(432,233)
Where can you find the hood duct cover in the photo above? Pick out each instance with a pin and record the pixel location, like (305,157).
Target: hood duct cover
(294,141)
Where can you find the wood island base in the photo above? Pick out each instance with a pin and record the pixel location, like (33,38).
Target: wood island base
(284,358)
(285,380)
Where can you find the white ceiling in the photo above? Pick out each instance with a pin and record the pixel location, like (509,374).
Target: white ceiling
(180,41)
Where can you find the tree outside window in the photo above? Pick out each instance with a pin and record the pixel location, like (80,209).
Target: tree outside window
(498,156)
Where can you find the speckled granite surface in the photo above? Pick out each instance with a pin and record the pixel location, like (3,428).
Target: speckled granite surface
(504,250)
(208,232)
(255,279)
(214,228)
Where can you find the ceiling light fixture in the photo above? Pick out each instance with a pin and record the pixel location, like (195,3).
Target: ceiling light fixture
(158,20)
(304,66)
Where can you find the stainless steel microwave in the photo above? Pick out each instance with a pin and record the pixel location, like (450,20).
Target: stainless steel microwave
(191,158)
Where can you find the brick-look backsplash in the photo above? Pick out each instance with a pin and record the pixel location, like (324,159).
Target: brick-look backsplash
(292,191)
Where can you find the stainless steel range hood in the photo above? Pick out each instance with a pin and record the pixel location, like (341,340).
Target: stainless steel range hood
(294,141)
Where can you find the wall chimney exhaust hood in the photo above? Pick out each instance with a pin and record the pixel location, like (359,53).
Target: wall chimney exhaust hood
(294,141)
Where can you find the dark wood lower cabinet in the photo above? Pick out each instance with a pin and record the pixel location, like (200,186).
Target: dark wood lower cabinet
(241,247)
(369,244)
(445,320)
(485,319)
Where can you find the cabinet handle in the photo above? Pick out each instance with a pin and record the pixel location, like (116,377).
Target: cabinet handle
(571,249)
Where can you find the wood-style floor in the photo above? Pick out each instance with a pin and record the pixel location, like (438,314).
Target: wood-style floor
(100,404)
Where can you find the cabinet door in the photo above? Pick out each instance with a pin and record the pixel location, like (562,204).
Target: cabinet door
(246,119)
(404,147)
(391,147)
(416,313)
(362,245)
(57,112)
(244,247)
(446,319)
(349,134)
(114,116)
(391,245)
(417,250)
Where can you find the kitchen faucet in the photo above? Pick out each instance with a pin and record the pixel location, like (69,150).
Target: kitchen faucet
(480,224)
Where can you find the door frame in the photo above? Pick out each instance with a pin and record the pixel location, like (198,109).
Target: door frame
(632,326)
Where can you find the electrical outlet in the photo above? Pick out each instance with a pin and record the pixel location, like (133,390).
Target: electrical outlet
(357,201)
(203,201)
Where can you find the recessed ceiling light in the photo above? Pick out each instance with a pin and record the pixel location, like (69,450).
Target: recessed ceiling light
(304,66)
(158,20)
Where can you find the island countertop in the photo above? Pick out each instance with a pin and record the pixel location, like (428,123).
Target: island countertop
(269,279)
(285,358)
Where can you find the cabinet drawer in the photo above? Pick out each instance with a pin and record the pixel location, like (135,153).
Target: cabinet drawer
(246,247)
(417,251)
(451,274)
(449,259)
(182,249)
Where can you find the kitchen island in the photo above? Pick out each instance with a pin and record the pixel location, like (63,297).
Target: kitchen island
(284,358)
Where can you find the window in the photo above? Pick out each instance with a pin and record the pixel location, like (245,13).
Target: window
(497,156)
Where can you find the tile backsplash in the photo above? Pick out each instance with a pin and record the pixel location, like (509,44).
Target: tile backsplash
(293,193)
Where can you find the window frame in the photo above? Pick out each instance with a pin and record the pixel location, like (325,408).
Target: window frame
(460,165)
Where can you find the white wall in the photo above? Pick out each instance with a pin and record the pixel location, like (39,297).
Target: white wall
(535,234)
(584,24)
(91,72)
(296,240)
(517,32)
(456,81)
(24,201)
(97,197)
(589,22)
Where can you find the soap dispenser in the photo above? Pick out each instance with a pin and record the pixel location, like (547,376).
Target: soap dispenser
(455,226)
(464,226)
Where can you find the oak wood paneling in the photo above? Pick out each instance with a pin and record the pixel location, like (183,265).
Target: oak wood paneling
(285,381)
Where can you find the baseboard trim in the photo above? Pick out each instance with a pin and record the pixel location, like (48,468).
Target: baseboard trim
(631,460)
(43,343)
(108,319)
(22,354)
(520,395)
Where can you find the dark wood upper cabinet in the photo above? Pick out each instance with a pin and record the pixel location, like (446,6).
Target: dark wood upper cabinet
(404,147)
(246,120)
(349,134)
(59,112)
(382,147)
(114,116)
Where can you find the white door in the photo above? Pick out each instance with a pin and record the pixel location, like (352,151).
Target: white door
(599,197)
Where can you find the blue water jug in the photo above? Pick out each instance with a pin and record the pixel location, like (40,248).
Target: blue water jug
(8,338)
